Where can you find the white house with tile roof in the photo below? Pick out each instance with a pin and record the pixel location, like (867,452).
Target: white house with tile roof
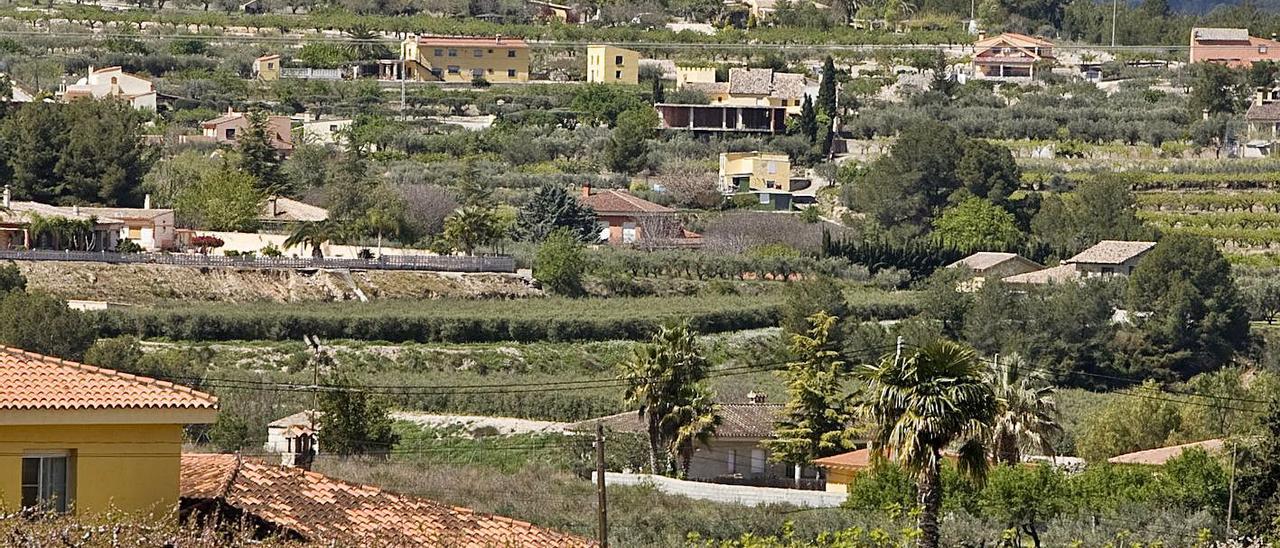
(114,82)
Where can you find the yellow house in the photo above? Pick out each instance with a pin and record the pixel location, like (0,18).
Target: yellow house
(267,68)
(754,171)
(82,439)
(462,59)
(611,65)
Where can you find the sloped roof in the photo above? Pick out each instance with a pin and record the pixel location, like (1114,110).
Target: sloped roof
(1013,38)
(1161,455)
(709,88)
(1111,252)
(126,212)
(983,260)
(301,418)
(228,117)
(750,81)
(1218,34)
(787,85)
(325,510)
(622,202)
(853,460)
(34,381)
(290,210)
(738,420)
(21,211)
(1057,274)
(1268,112)
(763,81)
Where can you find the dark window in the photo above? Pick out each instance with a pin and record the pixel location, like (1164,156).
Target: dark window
(511,53)
(453,52)
(44,483)
(511,73)
(453,69)
(231,133)
(439,52)
(617,59)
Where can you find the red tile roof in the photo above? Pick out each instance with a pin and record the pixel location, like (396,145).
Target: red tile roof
(1161,455)
(622,202)
(472,41)
(853,460)
(33,381)
(325,510)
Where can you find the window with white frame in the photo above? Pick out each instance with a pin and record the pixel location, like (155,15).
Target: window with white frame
(46,481)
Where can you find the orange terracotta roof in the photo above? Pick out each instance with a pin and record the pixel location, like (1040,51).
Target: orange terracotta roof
(325,510)
(1161,455)
(621,201)
(853,460)
(33,381)
(1014,38)
(472,41)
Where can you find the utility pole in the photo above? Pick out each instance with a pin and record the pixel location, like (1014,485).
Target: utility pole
(403,115)
(1115,9)
(1231,489)
(897,353)
(602,512)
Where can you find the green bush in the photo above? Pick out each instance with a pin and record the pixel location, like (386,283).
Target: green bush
(43,324)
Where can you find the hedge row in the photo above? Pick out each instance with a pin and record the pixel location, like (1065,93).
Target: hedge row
(553,320)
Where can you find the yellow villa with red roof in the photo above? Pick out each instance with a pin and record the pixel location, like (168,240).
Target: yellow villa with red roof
(83,439)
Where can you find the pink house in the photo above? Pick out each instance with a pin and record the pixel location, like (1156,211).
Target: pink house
(1231,47)
(626,219)
(226,129)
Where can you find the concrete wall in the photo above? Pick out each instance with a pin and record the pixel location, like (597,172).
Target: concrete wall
(130,468)
(697,75)
(612,65)
(247,241)
(731,494)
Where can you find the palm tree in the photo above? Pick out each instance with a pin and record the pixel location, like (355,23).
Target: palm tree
(313,234)
(924,403)
(381,220)
(471,227)
(662,377)
(1026,416)
(693,422)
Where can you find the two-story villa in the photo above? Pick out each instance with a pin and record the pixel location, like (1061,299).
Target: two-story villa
(82,439)
(612,65)
(461,59)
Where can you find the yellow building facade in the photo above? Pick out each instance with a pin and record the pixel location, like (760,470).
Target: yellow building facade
(85,440)
(755,171)
(463,59)
(612,65)
(267,68)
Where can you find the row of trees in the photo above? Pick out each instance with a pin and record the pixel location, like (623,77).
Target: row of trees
(913,405)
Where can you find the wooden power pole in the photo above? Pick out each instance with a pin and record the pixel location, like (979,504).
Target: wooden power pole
(602,506)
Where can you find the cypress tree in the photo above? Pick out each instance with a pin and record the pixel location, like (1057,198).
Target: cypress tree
(659,93)
(827,89)
(258,157)
(808,120)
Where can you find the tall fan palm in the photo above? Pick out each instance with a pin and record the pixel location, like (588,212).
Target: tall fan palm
(1027,413)
(693,422)
(662,377)
(921,404)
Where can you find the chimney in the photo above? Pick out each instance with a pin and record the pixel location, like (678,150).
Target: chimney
(75,209)
(146,202)
(497,38)
(754,397)
(8,198)
(982,35)
(302,444)
(271,206)
(586,190)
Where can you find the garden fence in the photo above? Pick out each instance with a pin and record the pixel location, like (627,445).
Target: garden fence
(431,263)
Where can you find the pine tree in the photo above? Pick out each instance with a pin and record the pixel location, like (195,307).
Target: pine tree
(259,158)
(552,207)
(817,418)
(827,88)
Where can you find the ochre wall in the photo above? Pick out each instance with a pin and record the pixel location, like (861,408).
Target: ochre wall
(127,467)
